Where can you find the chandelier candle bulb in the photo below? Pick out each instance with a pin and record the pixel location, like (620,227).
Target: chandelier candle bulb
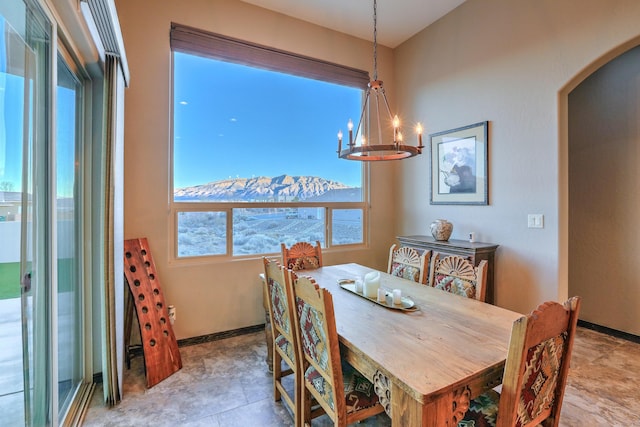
(350,126)
(396,125)
(419,132)
(339,142)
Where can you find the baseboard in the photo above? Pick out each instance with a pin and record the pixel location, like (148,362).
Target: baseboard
(136,350)
(220,335)
(609,331)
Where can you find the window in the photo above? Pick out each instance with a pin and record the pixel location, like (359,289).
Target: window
(254,148)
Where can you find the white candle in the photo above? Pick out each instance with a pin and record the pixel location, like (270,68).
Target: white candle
(359,286)
(397,296)
(371,284)
(396,125)
(382,295)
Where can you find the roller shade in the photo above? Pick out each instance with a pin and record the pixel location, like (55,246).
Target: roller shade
(199,42)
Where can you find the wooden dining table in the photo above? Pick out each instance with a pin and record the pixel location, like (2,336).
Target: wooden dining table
(426,364)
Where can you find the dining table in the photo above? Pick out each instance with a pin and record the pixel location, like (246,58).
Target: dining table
(427,357)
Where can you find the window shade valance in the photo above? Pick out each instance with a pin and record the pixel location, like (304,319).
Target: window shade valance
(199,42)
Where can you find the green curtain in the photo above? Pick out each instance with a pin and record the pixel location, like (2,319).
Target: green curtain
(113,309)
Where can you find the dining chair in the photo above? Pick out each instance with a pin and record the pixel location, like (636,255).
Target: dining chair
(535,373)
(457,275)
(302,256)
(284,341)
(407,263)
(344,394)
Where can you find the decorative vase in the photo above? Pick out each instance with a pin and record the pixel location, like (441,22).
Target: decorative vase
(441,229)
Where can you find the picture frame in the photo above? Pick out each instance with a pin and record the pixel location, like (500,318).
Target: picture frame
(459,165)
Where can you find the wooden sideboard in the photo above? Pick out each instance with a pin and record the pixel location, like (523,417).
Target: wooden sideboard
(474,252)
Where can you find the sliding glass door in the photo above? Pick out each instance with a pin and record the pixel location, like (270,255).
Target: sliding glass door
(25,76)
(42,351)
(68,155)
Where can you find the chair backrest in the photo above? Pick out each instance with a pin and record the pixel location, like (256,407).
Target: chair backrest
(537,365)
(279,294)
(457,275)
(302,256)
(318,337)
(407,263)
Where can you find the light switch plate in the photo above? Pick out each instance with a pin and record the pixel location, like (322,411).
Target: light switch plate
(535,221)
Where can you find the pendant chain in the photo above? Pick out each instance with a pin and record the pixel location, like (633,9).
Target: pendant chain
(375,42)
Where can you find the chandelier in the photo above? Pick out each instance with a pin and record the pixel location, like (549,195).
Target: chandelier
(376,98)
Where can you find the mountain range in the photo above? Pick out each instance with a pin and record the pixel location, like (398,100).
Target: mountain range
(261,189)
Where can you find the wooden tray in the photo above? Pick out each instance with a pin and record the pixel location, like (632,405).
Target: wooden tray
(407,303)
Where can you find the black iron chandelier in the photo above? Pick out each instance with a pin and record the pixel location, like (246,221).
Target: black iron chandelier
(360,147)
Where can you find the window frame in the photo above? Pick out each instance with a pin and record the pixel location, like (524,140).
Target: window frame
(193,41)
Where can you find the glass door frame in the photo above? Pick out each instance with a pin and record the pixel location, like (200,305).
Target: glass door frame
(89,111)
(82,272)
(39,228)
(35,229)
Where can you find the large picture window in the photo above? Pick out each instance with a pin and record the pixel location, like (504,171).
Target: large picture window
(254,148)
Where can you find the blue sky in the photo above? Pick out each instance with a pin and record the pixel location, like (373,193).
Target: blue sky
(11,108)
(276,124)
(11,134)
(14,118)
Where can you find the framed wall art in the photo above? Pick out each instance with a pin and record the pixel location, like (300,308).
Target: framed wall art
(459,166)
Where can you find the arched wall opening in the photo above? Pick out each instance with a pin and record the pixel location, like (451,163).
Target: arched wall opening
(599,158)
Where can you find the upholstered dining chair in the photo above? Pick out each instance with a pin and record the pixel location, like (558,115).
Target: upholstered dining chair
(457,275)
(407,263)
(302,256)
(284,342)
(535,374)
(344,394)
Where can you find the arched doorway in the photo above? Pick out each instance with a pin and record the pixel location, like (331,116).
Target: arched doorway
(600,161)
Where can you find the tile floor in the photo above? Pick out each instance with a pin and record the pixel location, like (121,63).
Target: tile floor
(225,383)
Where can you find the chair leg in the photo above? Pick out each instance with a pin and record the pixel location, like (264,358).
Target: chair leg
(299,404)
(305,407)
(269,338)
(277,373)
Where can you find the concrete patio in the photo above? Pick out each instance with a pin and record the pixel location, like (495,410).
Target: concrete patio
(11,379)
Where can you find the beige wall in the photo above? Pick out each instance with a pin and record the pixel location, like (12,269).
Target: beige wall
(604,177)
(512,63)
(213,297)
